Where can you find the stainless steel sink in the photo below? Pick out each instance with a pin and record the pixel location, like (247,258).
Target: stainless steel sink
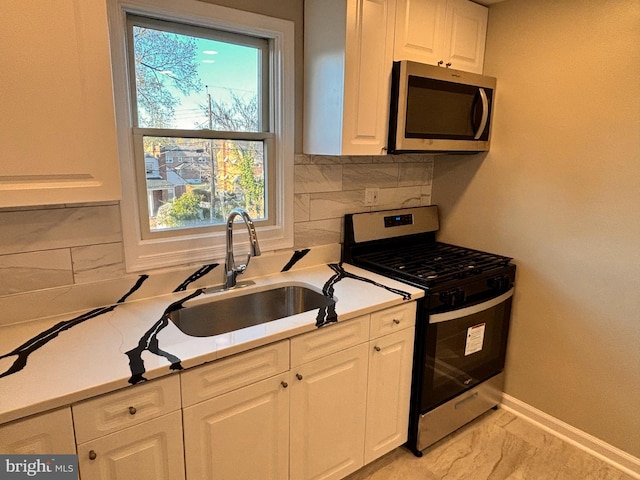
(228,314)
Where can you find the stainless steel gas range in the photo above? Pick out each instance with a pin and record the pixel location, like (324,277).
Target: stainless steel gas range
(463,320)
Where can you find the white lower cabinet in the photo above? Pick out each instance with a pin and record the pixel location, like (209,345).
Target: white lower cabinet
(328,404)
(390,365)
(243,434)
(50,432)
(135,432)
(149,451)
(316,407)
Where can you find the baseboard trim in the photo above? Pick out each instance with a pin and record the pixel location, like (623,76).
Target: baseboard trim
(615,457)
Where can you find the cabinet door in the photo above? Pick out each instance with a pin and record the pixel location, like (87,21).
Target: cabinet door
(420,26)
(389,390)
(446,32)
(465,35)
(241,434)
(348,58)
(50,432)
(328,401)
(149,451)
(368,61)
(57,127)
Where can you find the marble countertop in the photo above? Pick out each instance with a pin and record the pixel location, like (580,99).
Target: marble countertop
(52,362)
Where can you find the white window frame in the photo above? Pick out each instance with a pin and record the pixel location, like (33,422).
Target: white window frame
(145,254)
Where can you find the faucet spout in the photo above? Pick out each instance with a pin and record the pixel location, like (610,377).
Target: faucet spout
(231,269)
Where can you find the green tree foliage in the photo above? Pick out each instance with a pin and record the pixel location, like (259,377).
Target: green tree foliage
(162,59)
(181,211)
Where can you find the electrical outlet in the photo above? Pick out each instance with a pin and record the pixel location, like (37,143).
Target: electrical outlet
(371,196)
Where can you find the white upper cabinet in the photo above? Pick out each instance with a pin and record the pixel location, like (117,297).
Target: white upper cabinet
(348,55)
(419,30)
(450,33)
(57,127)
(349,48)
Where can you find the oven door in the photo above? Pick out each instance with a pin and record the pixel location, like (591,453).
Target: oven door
(463,348)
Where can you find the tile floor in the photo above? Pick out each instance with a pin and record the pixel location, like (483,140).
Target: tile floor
(496,446)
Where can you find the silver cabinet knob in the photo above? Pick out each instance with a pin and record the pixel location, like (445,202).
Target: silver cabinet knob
(132,410)
(92,455)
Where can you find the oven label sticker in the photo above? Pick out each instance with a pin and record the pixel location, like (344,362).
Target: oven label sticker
(475,339)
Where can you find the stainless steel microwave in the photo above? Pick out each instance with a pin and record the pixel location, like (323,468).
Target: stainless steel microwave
(437,109)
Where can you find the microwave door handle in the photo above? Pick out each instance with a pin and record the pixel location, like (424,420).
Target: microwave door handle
(485,113)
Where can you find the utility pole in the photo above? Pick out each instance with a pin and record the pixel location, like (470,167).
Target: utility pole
(213,160)
(209,108)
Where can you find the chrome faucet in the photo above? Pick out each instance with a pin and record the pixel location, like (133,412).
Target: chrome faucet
(231,270)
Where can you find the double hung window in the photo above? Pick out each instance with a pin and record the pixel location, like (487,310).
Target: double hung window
(204,112)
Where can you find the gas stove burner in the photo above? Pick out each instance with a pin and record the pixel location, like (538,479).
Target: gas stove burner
(432,263)
(408,251)
(428,275)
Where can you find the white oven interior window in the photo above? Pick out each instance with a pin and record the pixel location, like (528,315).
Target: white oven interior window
(204,110)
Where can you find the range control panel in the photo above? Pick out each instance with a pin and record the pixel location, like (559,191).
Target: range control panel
(398,220)
(394,223)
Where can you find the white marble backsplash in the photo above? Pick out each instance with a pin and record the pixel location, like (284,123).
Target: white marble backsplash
(328,187)
(65,246)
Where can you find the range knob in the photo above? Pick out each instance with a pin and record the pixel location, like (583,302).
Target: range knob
(453,298)
(500,283)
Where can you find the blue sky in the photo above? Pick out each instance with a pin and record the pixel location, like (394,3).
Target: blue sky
(222,67)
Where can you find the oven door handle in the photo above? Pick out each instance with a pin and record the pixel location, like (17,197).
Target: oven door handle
(463,312)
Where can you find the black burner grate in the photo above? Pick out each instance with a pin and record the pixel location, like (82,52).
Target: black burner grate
(432,264)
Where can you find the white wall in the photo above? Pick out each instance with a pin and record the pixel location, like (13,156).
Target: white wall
(560,192)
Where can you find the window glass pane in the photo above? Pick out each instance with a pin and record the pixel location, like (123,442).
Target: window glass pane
(197,182)
(190,82)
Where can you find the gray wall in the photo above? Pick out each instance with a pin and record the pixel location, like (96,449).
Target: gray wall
(560,192)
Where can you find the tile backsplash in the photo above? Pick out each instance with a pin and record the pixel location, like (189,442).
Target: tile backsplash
(328,187)
(65,245)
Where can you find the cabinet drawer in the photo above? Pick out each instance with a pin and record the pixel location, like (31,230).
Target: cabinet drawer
(124,408)
(329,339)
(393,319)
(224,375)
